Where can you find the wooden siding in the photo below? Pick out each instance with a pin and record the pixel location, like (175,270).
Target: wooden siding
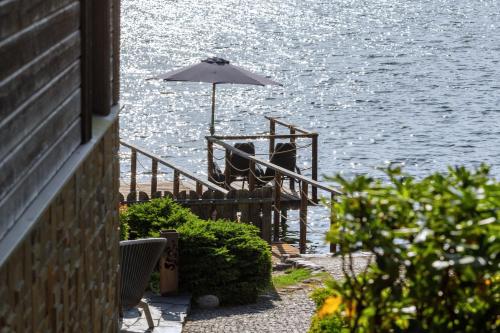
(63,276)
(40,98)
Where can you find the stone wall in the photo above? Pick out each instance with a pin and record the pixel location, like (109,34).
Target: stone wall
(63,276)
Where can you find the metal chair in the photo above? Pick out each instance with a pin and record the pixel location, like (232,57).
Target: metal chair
(138,258)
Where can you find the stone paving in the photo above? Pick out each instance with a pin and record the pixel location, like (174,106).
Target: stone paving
(289,311)
(168,313)
(333,265)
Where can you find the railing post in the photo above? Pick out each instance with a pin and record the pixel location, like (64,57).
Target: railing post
(199,189)
(227,169)
(333,246)
(251,176)
(272,131)
(210,160)
(292,140)
(303,217)
(277,205)
(154,177)
(314,152)
(176,183)
(133,174)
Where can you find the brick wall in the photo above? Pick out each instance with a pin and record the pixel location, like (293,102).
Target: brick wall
(63,276)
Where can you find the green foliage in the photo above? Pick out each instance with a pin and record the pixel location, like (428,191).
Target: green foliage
(291,277)
(435,245)
(223,258)
(330,324)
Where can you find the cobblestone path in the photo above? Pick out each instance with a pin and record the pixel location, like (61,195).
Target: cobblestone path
(289,312)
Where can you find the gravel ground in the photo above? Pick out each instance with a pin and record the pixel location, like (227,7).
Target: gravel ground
(289,311)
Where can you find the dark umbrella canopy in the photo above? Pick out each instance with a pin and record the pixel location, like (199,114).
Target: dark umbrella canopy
(216,71)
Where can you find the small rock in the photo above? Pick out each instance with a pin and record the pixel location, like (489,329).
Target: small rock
(207,301)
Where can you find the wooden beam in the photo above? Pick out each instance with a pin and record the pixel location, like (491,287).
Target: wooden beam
(277,206)
(154,177)
(283,123)
(199,189)
(176,183)
(116,50)
(86,68)
(133,171)
(210,160)
(227,168)
(333,246)
(261,136)
(251,176)
(101,51)
(272,133)
(303,217)
(314,171)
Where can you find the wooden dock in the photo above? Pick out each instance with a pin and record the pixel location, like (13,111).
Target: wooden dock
(249,197)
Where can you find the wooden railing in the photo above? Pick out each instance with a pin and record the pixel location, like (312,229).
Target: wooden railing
(279,173)
(273,121)
(305,183)
(177,171)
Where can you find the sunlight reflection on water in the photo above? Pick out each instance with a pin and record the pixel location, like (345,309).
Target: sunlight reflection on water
(381,81)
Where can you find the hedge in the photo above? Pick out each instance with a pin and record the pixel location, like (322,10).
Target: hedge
(222,258)
(435,245)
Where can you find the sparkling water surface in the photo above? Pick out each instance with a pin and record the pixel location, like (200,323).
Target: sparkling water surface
(413,82)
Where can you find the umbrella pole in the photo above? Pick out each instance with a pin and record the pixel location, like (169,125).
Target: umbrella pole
(212,125)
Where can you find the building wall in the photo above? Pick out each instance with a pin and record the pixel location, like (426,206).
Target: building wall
(40,95)
(63,277)
(59,170)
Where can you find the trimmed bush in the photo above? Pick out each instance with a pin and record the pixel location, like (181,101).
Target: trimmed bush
(435,245)
(222,258)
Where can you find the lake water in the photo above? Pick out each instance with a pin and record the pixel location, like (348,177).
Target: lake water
(414,82)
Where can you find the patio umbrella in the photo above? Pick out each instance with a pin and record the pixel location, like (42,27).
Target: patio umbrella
(216,71)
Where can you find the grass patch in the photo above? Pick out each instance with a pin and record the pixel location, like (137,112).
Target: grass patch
(291,277)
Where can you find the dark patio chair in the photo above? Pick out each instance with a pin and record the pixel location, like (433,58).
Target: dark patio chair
(285,156)
(239,165)
(138,258)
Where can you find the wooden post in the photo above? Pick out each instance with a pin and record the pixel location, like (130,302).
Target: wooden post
(272,131)
(227,169)
(199,189)
(101,49)
(284,220)
(210,160)
(314,152)
(154,177)
(251,176)
(333,246)
(86,69)
(116,50)
(277,206)
(133,172)
(303,217)
(292,140)
(176,183)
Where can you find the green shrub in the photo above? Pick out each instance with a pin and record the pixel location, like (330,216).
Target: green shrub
(435,245)
(223,258)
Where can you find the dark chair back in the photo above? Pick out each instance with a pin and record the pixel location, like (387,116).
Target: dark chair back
(285,156)
(138,259)
(240,165)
